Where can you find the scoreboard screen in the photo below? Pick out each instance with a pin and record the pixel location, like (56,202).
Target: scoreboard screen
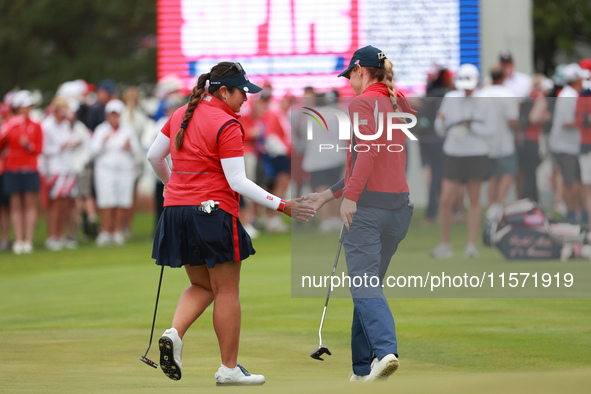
(292,44)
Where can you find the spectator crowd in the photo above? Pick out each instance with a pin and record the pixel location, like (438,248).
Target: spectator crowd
(81,157)
(498,128)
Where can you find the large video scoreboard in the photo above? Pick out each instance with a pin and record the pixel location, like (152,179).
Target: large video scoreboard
(296,43)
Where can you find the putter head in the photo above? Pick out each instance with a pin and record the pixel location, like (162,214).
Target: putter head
(319,351)
(149,362)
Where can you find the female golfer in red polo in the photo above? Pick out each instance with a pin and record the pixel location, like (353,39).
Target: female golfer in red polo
(199,227)
(375,209)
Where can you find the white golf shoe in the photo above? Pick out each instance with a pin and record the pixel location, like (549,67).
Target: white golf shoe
(471,251)
(382,369)
(357,378)
(237,376)
(171,348)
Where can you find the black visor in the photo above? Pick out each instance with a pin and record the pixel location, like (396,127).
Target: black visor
(239,80)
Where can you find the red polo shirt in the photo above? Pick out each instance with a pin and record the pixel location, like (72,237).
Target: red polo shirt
(213,133)
(23,140)
(582,119)
(374,175)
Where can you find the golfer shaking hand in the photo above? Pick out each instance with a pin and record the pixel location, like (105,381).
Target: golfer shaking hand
(375,208)
(199,227)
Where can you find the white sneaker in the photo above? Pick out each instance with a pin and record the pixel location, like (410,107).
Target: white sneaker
(357,378)
(382,369)
(171,349)
(69,243)
(118,239)
(471,251)
(237,377)
(17,247)
(442,251)
(53,244)
(103,239)
(27,247)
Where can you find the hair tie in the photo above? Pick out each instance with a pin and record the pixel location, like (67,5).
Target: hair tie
(184,125)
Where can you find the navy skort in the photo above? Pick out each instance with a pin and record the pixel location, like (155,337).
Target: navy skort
(4,200)
(20,182)
(185,235)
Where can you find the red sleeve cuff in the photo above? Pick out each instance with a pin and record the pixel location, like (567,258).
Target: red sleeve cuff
(349,195)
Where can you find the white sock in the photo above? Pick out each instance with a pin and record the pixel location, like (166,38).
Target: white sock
(229,369)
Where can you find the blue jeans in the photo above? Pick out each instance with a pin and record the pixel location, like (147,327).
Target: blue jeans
(369,244)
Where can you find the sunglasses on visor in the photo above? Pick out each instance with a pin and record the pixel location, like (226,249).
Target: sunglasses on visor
(236,65)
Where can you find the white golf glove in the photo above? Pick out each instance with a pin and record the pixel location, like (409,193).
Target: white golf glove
(209,205)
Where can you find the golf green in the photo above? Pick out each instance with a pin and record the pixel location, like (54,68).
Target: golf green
(78,321)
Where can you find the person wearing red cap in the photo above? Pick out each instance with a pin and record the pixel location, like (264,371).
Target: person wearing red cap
(375,209)
(23,139)
(199,227)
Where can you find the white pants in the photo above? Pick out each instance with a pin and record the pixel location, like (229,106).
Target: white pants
(114,188)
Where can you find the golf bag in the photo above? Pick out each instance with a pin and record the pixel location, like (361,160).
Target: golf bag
(523,232)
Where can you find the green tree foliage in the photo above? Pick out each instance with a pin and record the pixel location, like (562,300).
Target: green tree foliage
(558,25)
(46,42)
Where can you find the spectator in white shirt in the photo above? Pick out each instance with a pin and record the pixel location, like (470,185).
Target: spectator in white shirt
(62,138)
(565,138)
(114,147)
(465,161)
(503,117)
(518,83)
(134,116)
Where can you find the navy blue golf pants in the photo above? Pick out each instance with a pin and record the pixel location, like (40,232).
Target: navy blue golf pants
(370,243)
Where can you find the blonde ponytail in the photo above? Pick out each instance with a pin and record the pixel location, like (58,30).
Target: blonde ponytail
(389,80)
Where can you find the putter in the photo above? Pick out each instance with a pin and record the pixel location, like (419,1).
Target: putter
(144,358)
(320,350)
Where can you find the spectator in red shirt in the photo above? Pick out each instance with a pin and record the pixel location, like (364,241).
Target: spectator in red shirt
(250,120)
(23,139)
(5,115)
(199,227)
(276,153)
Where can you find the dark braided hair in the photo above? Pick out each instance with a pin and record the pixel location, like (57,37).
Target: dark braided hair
(197,95)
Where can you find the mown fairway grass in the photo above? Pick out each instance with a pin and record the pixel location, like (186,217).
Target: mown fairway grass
(78,321)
